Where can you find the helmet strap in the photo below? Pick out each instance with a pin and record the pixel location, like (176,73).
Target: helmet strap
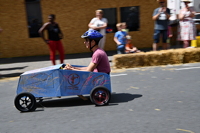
(92,46)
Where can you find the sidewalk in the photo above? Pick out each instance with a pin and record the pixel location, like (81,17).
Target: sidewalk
(14,67)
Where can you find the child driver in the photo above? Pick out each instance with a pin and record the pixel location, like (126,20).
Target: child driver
(100,62)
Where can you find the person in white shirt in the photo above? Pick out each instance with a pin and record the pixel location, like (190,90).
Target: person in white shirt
(99,23)
(187,27)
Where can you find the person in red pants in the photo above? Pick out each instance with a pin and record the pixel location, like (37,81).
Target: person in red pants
(54,37)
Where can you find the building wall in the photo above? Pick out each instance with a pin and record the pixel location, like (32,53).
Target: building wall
(73,17)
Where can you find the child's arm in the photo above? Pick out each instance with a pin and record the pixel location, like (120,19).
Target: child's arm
(69,67)
(127,48)
(89,68)
(116,41)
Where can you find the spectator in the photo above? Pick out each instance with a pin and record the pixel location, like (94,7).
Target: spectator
(99,23)
(54,37)
(187,28)
(130,48)
(161,17)
(120,39)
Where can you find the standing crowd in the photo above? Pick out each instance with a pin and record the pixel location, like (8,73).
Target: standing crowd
(162,28)
(124,44)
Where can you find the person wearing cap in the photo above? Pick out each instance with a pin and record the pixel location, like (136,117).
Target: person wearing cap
(130,48)
(161,17)
(100,62)
(187,28)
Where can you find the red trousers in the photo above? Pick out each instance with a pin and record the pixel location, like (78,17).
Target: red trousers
(53,46)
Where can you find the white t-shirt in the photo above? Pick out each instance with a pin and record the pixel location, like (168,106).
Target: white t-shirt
(96,22)
(162,16)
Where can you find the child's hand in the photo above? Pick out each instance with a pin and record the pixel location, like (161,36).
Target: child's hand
(170,35)
(67,67)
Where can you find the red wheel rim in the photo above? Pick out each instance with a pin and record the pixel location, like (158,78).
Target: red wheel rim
(100,96)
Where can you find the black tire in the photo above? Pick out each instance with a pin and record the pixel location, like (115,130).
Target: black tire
(25,102)
(100,96)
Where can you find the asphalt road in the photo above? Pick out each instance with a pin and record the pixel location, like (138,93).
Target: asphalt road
(144,100)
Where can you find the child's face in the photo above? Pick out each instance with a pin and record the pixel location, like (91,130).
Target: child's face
(119,27)
(87,42)
(124,26)
(128,41)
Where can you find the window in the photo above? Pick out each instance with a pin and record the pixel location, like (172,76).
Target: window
(111,15)
(34,17)
(130,15)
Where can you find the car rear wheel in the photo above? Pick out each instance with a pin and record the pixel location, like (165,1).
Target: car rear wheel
(100,96)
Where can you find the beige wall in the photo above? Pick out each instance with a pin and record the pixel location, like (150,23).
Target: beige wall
(73,17)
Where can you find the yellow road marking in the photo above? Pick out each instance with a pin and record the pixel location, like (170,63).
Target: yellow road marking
(185,130)
(179,101)
(9,79)
(134,87)
(131,87)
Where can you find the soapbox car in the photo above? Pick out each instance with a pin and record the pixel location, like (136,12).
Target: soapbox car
(36,85)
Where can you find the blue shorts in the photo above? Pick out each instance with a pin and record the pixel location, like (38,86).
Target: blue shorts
(121,49)
(158,34)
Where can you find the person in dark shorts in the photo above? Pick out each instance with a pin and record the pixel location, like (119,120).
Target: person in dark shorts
(54,37)
(161,17)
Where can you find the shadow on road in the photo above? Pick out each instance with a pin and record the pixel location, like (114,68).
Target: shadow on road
(76,101)
(13,68)
(123,97)
(2,76)
(65,102)
(10,74)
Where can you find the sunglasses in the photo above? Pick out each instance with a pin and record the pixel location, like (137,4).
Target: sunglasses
(162,2)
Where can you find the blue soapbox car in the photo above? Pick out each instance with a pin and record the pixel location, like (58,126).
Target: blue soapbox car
(36,85)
